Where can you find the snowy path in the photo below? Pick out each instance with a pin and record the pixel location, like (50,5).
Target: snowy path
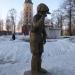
(58,57)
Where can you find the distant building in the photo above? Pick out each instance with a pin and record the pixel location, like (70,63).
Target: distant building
(51,31)
(48,23)
(28,16)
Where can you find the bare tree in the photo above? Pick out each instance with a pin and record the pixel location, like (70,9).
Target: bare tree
(57,19)
(1,25)
(12,14)
(20,22)
(8,24)
(69,7)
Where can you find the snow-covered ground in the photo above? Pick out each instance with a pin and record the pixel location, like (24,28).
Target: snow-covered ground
(58,56)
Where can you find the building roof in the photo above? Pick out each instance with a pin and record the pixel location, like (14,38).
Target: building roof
(28,1)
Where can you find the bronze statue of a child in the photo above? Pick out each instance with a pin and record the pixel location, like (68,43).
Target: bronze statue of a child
(38,38)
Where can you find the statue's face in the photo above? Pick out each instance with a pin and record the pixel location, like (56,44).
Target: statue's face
(43,14)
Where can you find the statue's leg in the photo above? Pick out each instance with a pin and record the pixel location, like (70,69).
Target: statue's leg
(40,60)
(35,63)
(36,57)
(37,50)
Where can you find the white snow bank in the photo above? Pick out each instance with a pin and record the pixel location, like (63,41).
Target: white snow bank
(58,56)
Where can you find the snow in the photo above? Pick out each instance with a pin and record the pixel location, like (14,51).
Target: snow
(58,56)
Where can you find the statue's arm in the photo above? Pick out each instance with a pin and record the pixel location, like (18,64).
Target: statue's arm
(37,23)
(44,35)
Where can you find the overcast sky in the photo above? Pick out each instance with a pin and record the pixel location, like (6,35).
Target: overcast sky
(6,5)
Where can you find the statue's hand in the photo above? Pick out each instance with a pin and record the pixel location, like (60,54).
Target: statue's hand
(41,21)
(43,17)
(44,41)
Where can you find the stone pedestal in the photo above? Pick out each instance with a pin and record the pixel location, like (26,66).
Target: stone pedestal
(29,73)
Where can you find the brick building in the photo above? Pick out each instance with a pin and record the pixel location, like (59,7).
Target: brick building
(27,16)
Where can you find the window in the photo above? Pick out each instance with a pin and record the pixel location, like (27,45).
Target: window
(30,15)
(26,14)
(27,8)
(26,20)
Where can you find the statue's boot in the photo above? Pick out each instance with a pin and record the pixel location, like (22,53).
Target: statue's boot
(42,70)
